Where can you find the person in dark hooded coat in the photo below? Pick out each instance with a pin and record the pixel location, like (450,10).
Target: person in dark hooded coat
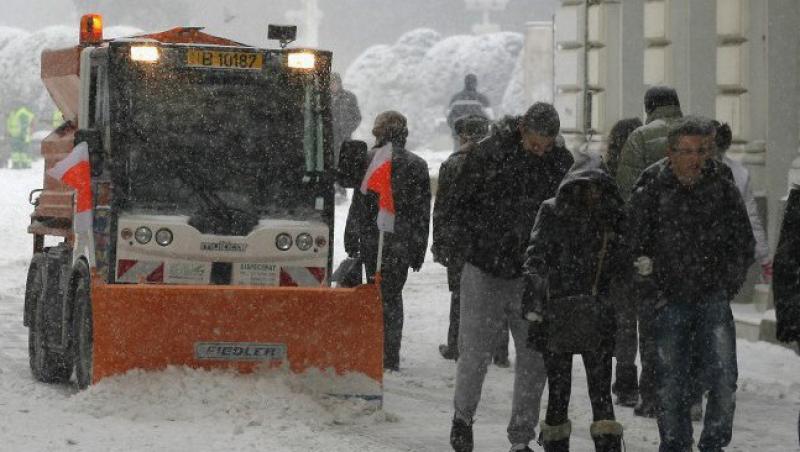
(576,253)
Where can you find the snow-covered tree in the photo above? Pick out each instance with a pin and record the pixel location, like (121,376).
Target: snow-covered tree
(419,73)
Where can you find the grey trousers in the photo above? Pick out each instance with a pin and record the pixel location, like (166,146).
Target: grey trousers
(487,303)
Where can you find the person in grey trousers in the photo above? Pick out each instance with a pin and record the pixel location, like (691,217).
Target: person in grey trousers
(496,197)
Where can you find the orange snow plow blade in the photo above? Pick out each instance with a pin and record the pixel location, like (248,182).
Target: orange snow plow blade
(241,327)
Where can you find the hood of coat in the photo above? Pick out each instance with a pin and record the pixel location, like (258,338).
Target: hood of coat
(572,196)
(506,132)
(665,112)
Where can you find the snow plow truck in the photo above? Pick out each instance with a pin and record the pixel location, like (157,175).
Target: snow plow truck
(199,232)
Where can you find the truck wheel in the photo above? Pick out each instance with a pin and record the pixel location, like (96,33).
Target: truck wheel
(47,365)
(33,290)
(82,327)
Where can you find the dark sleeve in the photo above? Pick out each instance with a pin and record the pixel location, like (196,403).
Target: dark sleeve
(420,202)
(537,262)
(742,250)
(462,197)
(786,279)
(620,265)
(441,214)
(353,115)
(351,233)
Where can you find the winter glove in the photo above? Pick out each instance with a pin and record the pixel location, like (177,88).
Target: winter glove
(643,265)
(533,298)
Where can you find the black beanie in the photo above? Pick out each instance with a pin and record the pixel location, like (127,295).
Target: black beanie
(660,96)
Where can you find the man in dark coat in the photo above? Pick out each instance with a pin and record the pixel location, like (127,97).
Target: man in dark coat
(345,114)
(406,246)
(786,279)
(495,200)
(693,243)
(466,102)
(470,130)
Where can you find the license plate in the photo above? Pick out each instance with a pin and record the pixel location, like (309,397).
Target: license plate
(224,60)
(255,274)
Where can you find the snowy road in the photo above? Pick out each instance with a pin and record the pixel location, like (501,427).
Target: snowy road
(180,409)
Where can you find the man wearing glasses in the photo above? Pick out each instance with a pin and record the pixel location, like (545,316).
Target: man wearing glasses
(693,244)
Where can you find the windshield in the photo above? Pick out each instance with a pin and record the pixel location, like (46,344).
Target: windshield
(194,139)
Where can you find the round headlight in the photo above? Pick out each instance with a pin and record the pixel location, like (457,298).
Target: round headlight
(143,234)
(305,241)
(283,241)
(164,237)
(126,234)
(321,241)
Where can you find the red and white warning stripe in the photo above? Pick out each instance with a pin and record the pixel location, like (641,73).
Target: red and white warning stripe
(134,271)
(303,276)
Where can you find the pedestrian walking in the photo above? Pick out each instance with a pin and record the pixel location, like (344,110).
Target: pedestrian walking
(576,254)
(693,243)
(470,130)
(496,197)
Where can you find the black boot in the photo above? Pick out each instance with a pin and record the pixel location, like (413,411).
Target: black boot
(448,352)
(461,436)
(607,436)
(626,386)
(555,438)
(645,408)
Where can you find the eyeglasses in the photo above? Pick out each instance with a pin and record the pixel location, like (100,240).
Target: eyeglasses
(700,152)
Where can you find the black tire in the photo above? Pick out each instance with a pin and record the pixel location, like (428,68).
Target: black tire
(82,326)
(33,290)
(47,365)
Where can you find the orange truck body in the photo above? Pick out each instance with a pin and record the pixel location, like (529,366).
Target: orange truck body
(151,326)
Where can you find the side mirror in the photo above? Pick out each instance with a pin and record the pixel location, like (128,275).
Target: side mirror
(352,163)
(94,140)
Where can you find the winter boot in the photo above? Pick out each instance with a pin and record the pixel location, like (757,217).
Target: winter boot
(645,408)
(555,438)
(448,352)
(607,436)
(501,361)
(461,436)
(626,386)
(520,448)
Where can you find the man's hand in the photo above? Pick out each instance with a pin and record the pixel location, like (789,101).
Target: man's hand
(644,265)
(766,272)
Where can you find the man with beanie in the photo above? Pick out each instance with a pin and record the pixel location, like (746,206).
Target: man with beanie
(470,130)
(496,198)
(645,146)
(406,246)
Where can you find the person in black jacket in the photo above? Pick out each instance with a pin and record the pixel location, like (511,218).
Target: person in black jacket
(466,102)
(576,252)
(495,200)
(470,129)
(406,246)
(692,243)
(346,115)
(626,383)
(786,277)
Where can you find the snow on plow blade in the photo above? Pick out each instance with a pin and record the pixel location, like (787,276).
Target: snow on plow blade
(242,327)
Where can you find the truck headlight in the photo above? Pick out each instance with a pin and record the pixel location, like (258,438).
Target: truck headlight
(164,237)
(143,235)
(304,241)
(146,54)
(302,60)
(283,241)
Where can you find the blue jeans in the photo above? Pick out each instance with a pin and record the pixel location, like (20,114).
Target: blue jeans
(705,328)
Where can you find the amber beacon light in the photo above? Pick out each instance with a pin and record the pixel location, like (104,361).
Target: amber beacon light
(91,29)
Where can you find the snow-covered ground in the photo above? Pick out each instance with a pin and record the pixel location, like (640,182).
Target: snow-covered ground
(182,410)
